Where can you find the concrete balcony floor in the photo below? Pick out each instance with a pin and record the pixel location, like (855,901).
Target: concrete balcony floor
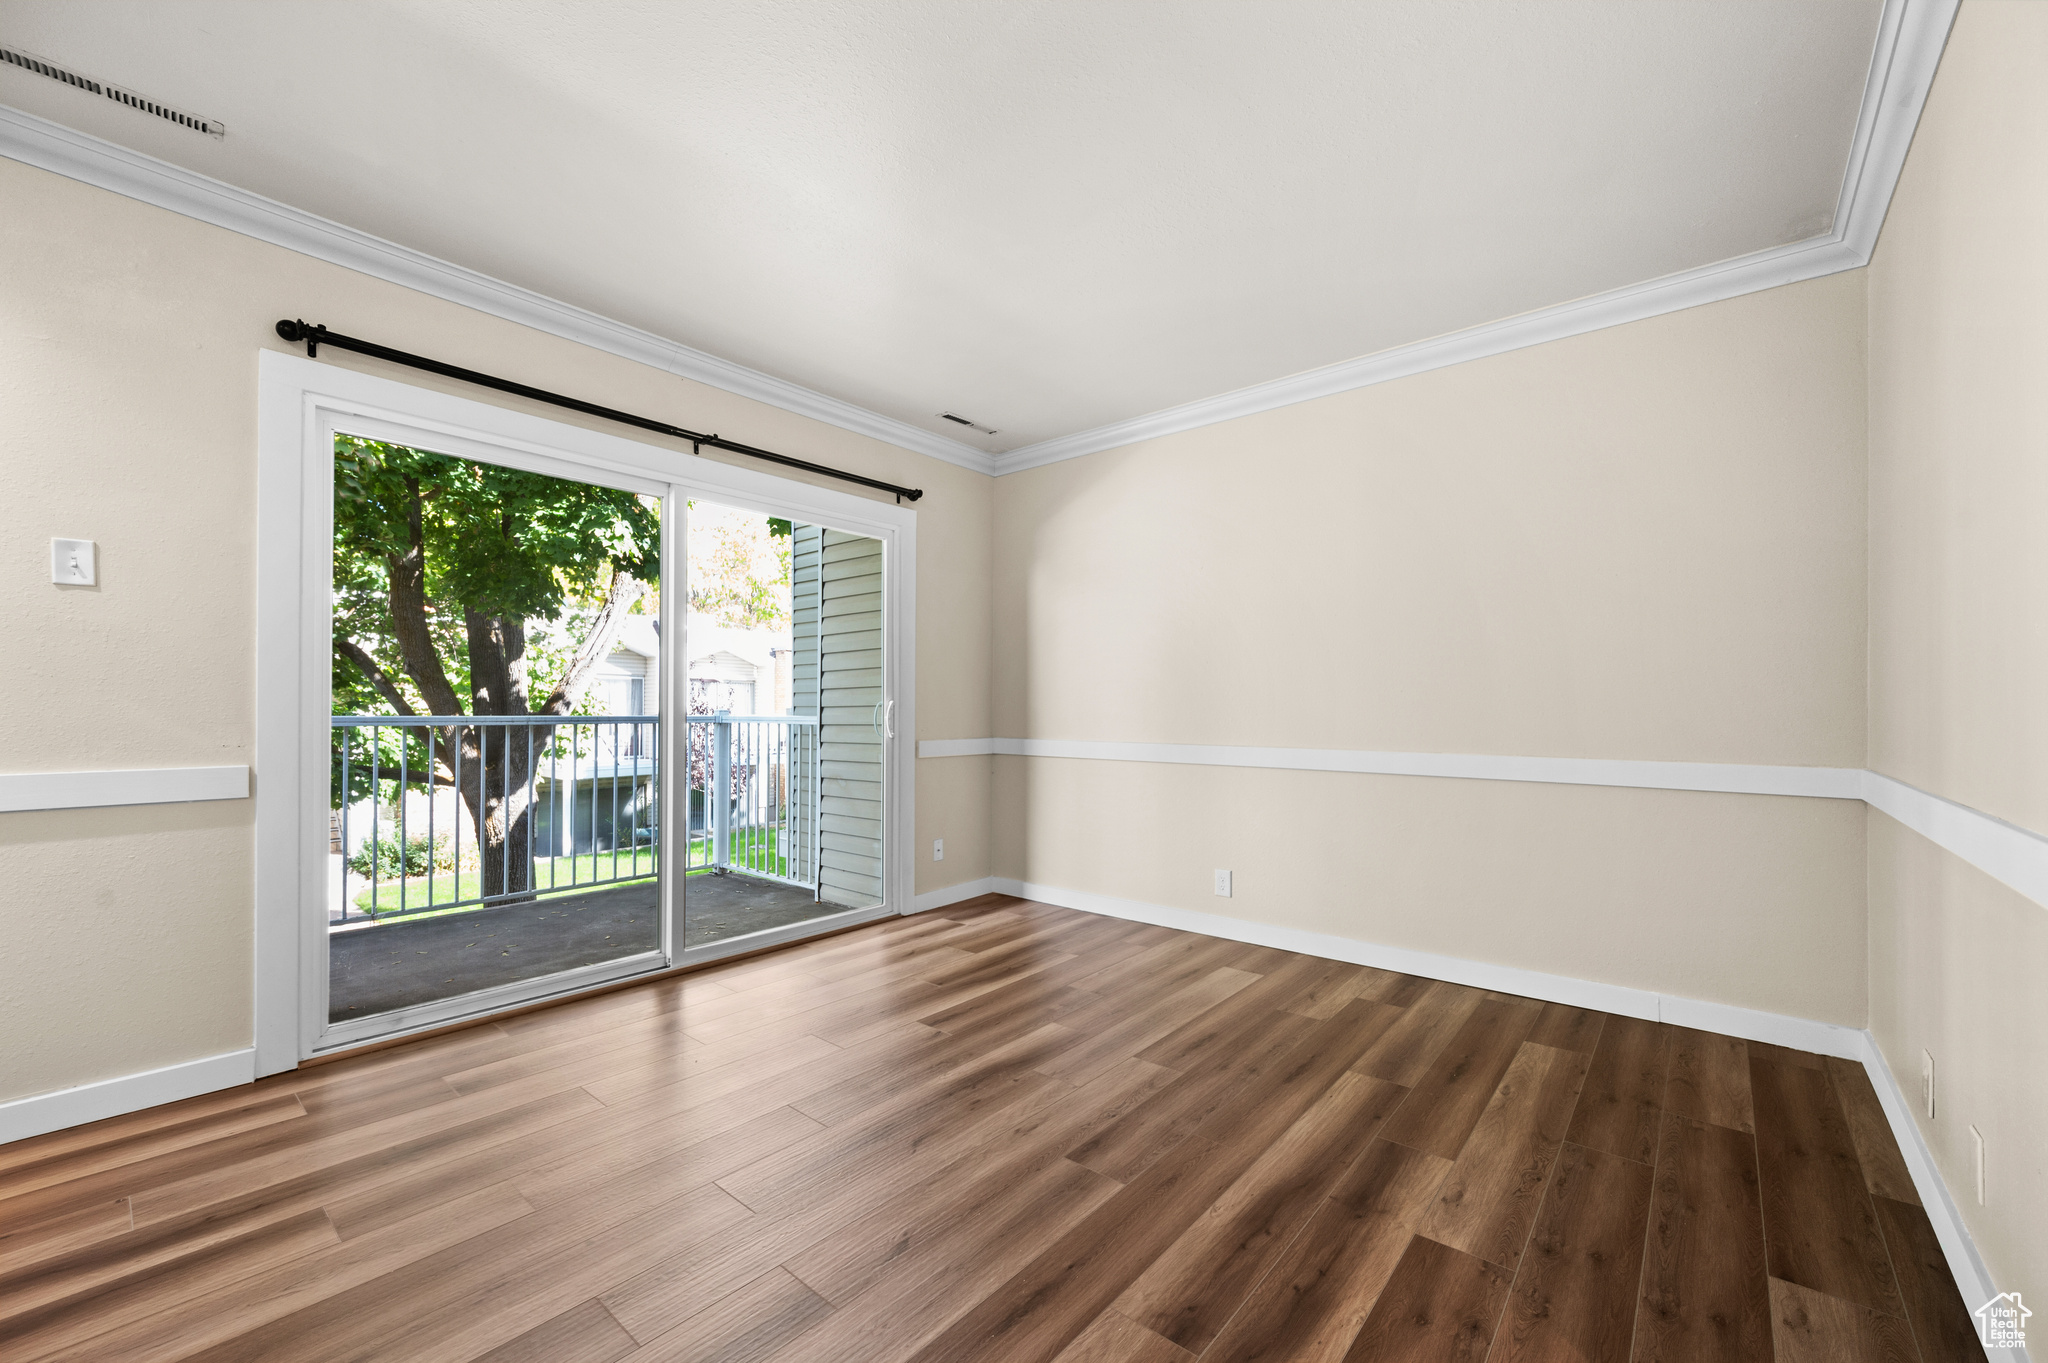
(402,962)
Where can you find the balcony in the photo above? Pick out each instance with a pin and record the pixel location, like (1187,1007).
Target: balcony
(477,850)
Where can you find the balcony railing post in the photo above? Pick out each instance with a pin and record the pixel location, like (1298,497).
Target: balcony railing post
(720,794)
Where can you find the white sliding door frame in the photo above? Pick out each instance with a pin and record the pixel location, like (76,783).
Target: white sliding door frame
(896,528)
(302,404)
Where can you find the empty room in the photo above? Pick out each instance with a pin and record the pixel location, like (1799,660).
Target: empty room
(1023,681)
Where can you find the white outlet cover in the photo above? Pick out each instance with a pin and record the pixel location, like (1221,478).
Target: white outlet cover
(71,563)
(1223,884)
(938,849)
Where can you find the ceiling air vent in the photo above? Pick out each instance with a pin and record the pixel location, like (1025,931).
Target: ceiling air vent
(959,420)
(28,61)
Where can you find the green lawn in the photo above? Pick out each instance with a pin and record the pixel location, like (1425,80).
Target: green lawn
(552,876)
(558,876)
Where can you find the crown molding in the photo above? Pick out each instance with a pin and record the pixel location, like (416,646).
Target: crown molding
(79,156)
(1910,38)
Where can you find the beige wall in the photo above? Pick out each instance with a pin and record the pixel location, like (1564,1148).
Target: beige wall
(1958,600)
(128,338)
(1955,971)
(1959,431)
(1647,542)
(1755,901)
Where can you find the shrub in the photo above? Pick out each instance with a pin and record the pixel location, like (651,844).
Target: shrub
(417,857)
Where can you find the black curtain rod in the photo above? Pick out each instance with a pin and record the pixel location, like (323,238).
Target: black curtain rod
(316,336)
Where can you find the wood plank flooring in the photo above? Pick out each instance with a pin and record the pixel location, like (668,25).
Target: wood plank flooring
(1002,1131)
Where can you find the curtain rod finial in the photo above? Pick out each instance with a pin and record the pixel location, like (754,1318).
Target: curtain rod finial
(292,330)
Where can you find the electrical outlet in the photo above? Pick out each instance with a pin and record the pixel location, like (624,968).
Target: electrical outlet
(1223,884)
(1977,1141)
(938,849)
(1927,1083)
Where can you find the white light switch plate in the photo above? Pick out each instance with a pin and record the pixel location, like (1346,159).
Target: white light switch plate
(71,562)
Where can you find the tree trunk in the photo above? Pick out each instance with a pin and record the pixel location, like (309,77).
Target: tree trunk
(497,760)
(406,574)
(497,791)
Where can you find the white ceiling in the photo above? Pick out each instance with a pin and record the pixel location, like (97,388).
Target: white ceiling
(1047,216)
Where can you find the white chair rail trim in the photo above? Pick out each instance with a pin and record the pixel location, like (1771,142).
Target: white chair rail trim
(2013,856)
(1830,783)
(147,786)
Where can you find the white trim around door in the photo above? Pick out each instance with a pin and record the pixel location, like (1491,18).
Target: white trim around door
(301,405)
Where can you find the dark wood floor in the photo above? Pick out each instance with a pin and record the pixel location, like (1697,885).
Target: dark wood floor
(998,1132)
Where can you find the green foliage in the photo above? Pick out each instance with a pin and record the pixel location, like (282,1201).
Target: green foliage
(389,860)
(739,567)
(494,541)
(499,541)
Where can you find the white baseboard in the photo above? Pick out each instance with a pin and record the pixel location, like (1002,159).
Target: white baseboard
(44,1112)
(1973,1279)
(953,894)
(1822,1038)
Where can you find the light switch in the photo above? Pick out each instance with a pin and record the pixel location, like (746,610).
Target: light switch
(71,562)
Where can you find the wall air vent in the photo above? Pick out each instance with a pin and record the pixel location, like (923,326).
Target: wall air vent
(28,61)
(959,420)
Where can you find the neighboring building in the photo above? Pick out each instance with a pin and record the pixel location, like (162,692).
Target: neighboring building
(735,669)
(836,628)
(628,681)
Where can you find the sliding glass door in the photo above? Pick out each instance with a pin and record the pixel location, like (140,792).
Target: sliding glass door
(788,723)
(495,735)
(542,709)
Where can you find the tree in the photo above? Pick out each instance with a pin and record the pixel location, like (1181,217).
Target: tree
(739,566)
(453,579)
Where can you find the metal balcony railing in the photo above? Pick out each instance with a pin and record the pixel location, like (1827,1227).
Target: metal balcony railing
(767,824)
(434,813)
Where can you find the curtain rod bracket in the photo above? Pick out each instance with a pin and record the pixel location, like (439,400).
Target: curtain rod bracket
(299,331)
